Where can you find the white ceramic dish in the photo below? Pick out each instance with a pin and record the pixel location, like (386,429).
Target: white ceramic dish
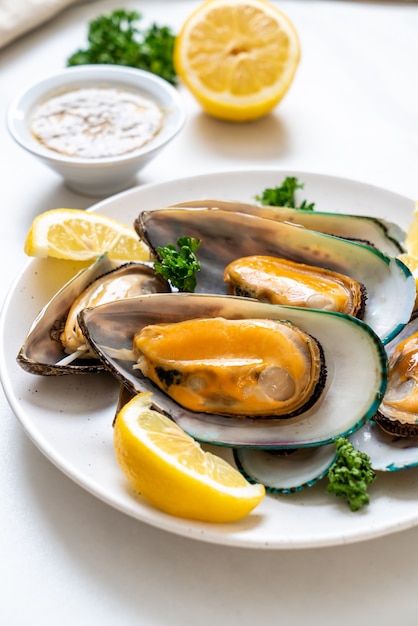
(69,418)
(98,176)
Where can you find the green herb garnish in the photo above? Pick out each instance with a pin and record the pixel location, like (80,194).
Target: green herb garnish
(284,195)
(350,475)
(115,39)
(179,266)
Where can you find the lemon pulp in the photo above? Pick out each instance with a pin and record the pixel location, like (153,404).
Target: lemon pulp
(79,235)
(237,57)
(171,470)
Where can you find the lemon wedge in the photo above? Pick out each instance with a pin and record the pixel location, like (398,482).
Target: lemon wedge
(79,236)
(171,470)
(410,256)
(237,57)
(411,239)
(410,261)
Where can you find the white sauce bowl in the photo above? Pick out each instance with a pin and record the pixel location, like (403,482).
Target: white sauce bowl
(106,175)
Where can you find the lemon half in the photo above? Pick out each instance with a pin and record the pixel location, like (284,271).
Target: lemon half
(237,57)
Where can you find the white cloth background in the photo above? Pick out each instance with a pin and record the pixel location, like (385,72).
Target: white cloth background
(19,16)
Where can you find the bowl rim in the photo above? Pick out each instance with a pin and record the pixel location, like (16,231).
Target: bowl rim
(26,100)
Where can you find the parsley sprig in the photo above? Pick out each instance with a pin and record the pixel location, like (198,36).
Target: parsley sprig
(116,38)
(351,474)
(179,266)
(284,195)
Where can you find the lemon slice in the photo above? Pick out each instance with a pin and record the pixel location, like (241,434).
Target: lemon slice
(411,239)
(170,469)
(410,261)
(237,57)
(410,257)
(78,235)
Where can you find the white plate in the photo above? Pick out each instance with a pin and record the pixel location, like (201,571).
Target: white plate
(69,418)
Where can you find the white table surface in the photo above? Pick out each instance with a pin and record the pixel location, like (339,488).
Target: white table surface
(68,558)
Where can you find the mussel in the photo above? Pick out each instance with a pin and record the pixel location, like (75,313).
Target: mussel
(54,345)
(250,367)
(228,235)
(377,232)
(398,412)
(281,281)
(354,357)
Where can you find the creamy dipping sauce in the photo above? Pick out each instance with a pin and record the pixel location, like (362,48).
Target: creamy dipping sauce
(96,122)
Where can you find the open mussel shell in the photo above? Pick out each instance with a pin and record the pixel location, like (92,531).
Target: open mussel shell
(391,439)
(228,235)
(282,471)
(398,412)
(379,233)
(42,353)
(387,452)
(354,356)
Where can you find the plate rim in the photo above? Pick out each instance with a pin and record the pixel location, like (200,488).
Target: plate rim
(195,530)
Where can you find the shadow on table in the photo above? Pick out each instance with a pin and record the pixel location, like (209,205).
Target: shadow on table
(258,140)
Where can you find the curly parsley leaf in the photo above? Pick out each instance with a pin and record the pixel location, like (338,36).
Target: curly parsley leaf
(179,266)
(116,38)
(284,195)
(351,474)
